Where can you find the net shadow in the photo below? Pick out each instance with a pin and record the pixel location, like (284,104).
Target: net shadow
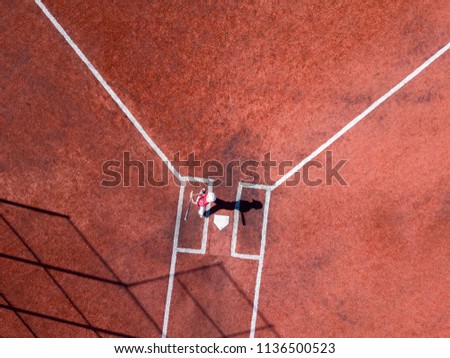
(49,269)
(115,281)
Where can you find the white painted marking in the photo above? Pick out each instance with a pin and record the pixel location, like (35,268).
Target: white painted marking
(205,225)
(236,221)
(255,186)
(185,250)
(108,89)
(198,180)
(246,256)
(260,265)
(361,116)
(173,261)
(177,250)
(236,218)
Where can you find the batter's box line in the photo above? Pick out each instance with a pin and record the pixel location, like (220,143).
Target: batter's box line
(176,250)
(186,250)
(260,257)
(236,221)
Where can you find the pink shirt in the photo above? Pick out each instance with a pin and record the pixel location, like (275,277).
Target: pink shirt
(201,200)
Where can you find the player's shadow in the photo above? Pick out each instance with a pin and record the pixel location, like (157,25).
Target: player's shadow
(244,206)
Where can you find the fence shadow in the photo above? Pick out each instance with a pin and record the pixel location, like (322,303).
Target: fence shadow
(224,275)
(50,269)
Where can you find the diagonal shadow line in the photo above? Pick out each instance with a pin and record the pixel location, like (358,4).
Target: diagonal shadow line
(33,208)
(52,213)
(133,297)
(118,282)
(241,291)
(19,316)
(47,271)
(200,307)
(267,325)
(101,279)
(200,268)
(248,331)
(61,320)
(60,269)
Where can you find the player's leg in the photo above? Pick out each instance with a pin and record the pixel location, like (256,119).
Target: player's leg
(201,211)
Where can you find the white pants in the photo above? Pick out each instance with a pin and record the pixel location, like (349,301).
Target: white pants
(201,210)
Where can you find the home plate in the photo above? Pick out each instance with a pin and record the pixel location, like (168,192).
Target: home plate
(221,221)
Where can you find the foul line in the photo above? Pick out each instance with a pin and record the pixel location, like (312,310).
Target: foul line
(110,91)
(361,116)
(285,177)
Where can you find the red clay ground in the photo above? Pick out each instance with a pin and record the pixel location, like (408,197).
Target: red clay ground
(369,259)
(58,127)
(233,81)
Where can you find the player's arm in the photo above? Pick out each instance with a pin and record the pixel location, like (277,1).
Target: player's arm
(192,197)
(196,195)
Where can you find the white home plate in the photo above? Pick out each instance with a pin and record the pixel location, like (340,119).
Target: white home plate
(221,221)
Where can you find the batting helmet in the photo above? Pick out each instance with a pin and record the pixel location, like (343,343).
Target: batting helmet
(211,197)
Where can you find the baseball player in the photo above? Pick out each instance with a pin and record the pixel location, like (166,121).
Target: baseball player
(202,200)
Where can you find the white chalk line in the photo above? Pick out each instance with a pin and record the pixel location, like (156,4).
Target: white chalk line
(173,261)
(285,177)
(260,257)
(361,116)
(236,221)
(255,186)
(202,249)
(185,250)
(109,90)
(260,264)
(246,256)
(330,141)
(199,180)
(234,234)
(117,100)
(206,223)
(158,151)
